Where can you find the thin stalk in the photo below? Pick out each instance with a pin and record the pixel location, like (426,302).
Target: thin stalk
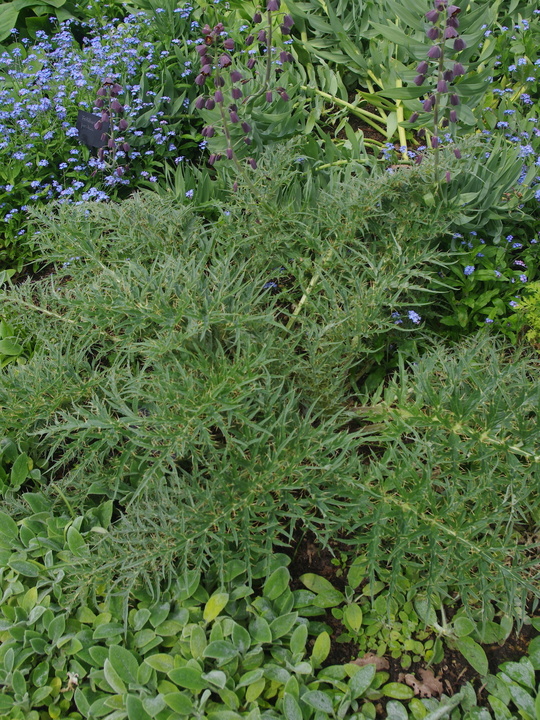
(309,289)
(364,114)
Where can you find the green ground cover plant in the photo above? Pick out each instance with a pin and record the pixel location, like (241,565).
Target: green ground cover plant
(318,316)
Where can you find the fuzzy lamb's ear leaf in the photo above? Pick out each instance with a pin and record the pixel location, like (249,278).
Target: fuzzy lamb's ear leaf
(215,605)
(474,654)
(321,649)
(361,680)
(277,583)
(124,662)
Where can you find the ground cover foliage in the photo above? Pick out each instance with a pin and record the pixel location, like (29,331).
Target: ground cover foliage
(303,326)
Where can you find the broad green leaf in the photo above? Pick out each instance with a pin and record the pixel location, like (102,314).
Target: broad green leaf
(124,662)
(399,691)
(316,583)
(221,650)
(25,567)
(277,583)
(40,674)
(500,710)
(283,624)
(76,542)
(179,702)
(160,662)
(10,347)
(216,677)
(474,654)
(20,470)
(187,677)
(463,626)
(113,678)
(154,706)
(298,640)
(291,709)
(329,598)
(214,606)
(318,701)
(198,642)
(56,628)
(259,630)
(321,649)
(521,672)
(353,616)
(250,677)
(135,709)
(396,710)
(18,683)
(8,528)
(361,680)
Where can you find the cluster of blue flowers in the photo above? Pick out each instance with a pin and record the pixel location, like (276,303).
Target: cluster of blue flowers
(44,85)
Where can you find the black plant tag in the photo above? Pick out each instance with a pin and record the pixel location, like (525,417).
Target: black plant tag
(88,135)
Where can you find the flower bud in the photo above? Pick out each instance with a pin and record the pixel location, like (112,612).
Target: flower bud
(101,153)
(206,70)
(247,140)
(235,186)
(419,80)
(458,69)
(199,80)
(432,16)
(219,81)
(119,171)
(206,29)
(246,127)
(210,104)
(206,60)
(111,144)
(450,32)
(414,117)
(208,131)
(284,56)
(454,99)
(201,49)
(123,124)
(253,163)
(422,68)
(116,106)
(453,10)
(116,89)
(234,116)
(444,122)
(219,28)
(452,22)
(104,137)
(283,95)
(459,44)
(273,5)
(212,159)
(249,40)
(288,21)
(199,102)
(228,44)
(261,36)
(457,153)
(434,52)
(126,147)
(442,86)
(229,153)
(104,117)
(269,96)
(218,96)
(236,93)
(421,133)
(102,92)
(257,18)
(447,176)
(251,63)
(285,30)
(435,142)
(428,103)
(433,33)
(453,116)
(448,75)
(236,76)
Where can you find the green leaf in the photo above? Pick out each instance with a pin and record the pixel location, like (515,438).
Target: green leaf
(9,347)
(316,583)
(124,662)
(20,470)
(250,677)
(221,650)
(321,649)
(188,677)
(179,702)
(473,654)
(353,616)
(329,598)
(216,677)
(197,642)
(361,680)
(154,706)
(113,678)
(214,606)
(283,624)
(291,709)
(396,710)
(399,691)
(521,672)
(76,542)
(463,626)
(277,583)
(298,640)
(259,630)
(24,567)
(135,709)
(8,529)
(18,683)
(160,662)
(318,701)
(40,674)
(56,628)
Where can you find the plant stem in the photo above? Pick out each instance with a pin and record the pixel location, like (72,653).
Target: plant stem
(364,114)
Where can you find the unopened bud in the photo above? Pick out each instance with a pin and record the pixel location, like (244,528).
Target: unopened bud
(236,93)
(111,144)
(419,80)
(450,32)
(219,81)
(199,80)
(442,86)
(99,102)
(116,89)
(251,63)
(229,153)
(199,102)
(257,18)
(447,176)
(247,140)
(210,104)
(102,92)
(126,147)
(435,142)
(123,124)
(249,40)
(448,75)
(234,116)
(98,125)
(246,127)
(288,21)
(458,69)
(253,163)
(206,29)
(434,52)
(261,36)
(119,171)
(101,153)
(268,96)
(273,5)
(235,76)
(414,117)
(283,95)
(285,30)
(454,99)
(422,68)
(459,44)
(453,116)
(284,56)
(116,106)
(457,153)
(212,159)
(218,96)
(432,16)
(208,131)
(228,44)
(433,33)
(201,50)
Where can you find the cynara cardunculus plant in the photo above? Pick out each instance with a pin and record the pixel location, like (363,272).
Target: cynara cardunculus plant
(441,67)
(231,79)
